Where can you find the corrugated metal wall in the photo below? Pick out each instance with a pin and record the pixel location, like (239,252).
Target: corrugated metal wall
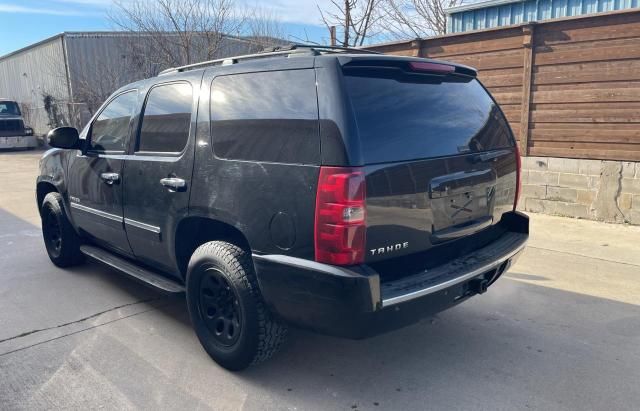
(98,63)
(27,76)
(529,10)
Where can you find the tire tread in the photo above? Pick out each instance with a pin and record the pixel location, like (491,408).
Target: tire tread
(271,332)
(70,254)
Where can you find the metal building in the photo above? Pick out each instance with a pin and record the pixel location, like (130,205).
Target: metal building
(497,13)
(60,80)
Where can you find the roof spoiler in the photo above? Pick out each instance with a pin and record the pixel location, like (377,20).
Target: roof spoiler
(410,64)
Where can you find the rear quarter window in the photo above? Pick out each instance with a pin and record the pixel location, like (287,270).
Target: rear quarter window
(408,117)
(266,116)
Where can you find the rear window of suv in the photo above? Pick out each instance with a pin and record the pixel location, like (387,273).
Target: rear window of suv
(406,117)
(9,108)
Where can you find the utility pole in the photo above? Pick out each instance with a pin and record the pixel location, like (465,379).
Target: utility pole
(347,22)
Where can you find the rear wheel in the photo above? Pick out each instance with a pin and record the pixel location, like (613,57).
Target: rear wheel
(226,308)
(60,239)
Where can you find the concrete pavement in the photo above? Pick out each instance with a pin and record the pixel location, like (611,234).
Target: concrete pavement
(560,331)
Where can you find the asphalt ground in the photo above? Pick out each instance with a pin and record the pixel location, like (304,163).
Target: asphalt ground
(560,331)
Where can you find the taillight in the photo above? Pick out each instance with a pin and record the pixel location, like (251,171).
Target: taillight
(518,177)
(340,224)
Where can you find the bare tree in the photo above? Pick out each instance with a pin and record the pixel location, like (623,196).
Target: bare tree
(93,85)
(416,18)
(176,32)
(264,27)
(356,20)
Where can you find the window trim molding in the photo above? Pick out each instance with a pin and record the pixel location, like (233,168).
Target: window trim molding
(136,145)
(89,137)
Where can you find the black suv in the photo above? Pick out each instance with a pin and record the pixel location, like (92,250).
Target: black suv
(343,191)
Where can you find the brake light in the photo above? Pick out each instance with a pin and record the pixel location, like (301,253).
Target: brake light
(518,177)
(340,221)
(433,67)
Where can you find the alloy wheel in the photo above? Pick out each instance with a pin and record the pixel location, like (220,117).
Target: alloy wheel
(219,307)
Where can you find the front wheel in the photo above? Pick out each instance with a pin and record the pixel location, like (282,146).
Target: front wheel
(60,239)
(226,307)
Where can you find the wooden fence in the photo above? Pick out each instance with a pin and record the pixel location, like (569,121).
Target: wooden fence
(569,87)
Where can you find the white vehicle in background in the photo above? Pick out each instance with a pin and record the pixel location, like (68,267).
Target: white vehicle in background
(13,132)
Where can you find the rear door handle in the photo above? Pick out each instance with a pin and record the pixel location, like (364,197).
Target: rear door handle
(173,183)
(110,178)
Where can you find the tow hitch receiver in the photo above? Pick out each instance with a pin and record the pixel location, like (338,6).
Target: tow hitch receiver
(478,285)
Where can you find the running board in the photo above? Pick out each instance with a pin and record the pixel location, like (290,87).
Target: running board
(134,271)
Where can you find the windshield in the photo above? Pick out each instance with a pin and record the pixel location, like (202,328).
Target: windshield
(9,108)
(407,117)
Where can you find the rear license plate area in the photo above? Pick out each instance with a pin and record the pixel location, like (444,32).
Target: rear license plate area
(462,200)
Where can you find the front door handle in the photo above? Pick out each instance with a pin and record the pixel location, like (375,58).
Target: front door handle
(110,178)
(173,183)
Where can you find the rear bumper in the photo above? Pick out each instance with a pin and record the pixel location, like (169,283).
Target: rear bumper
(18,142)
(352,302)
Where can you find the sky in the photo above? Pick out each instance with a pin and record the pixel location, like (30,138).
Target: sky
(28,21)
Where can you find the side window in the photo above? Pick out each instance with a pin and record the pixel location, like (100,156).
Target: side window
(166,119)
(268,116)
(110,130)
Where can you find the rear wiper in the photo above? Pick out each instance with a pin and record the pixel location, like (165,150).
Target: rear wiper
(490,155)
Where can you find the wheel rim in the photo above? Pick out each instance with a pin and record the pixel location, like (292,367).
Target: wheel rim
(52,233)
(219,307)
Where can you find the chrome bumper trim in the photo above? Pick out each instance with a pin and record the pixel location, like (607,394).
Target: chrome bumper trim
(512,255)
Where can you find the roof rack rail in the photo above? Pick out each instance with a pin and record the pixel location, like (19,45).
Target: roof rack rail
(268,52)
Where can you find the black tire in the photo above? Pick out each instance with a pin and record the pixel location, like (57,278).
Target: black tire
(60,239)
(226,307)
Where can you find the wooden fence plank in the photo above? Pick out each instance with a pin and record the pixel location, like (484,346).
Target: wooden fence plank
(575,145)
(605,85)
(501,71)
(632,127)
(610,136)
(514,121)
(437,49)
(588,45)
(505,89)
(585,153)
(527,66)
(585,116)
(499,81)
(578,96)
(588,53)
(575,68)
(627,71)
(503,59)
(584,106)
(507,98)
(586,29)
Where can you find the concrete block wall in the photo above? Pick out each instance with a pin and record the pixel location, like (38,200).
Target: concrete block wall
(591,189)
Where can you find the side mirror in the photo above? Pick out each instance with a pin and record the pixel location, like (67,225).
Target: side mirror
(64,137)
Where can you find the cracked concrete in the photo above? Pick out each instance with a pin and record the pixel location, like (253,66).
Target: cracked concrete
(89,317)
(606,206)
